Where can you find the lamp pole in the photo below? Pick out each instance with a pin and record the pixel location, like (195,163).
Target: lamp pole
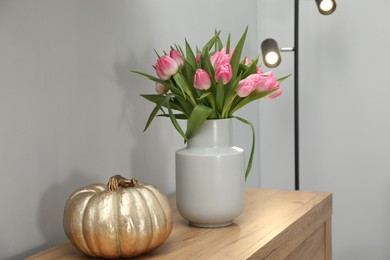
(296,93)
(325,7)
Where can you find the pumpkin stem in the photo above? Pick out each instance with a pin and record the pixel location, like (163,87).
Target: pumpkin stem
(117,181)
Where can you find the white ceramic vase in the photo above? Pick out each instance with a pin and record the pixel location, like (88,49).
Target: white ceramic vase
(210,176)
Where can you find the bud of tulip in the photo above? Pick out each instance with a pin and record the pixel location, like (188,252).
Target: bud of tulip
(223,72)
(202,80)
(175,54)
(197,58)
(166,67)
(249,84)
(244,88)
(161,89)
(214,58)
(219,58)
(274,94)
(269,82)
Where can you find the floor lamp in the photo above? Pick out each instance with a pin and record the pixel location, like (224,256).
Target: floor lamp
(272,58)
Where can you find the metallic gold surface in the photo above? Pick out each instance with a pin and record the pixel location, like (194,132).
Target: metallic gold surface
(123,219)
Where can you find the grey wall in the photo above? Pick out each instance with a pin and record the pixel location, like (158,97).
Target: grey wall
(70,112)
(344,111)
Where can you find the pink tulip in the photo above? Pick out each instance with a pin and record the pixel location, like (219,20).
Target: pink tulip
(175,54)
(219,58)
(166,67)
(202,80)
(274,94)
(223,72)
(197,58)
(161,89)
(244,88)
(269,74)
(214,57)
(269,82)
(249,84)
(247,61)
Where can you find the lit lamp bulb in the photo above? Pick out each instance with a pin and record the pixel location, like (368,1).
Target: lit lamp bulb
(271,54)
(271,58)
(326,6)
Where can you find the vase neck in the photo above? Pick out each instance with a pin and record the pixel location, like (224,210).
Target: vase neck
(213,133)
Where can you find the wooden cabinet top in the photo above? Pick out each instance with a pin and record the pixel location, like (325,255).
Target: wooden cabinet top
(273,224)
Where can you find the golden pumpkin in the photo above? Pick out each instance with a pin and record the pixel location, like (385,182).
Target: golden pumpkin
(124,218)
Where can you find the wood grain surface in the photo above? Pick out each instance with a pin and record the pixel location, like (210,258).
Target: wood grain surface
(275,224)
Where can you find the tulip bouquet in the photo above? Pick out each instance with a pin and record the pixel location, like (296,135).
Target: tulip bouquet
(212,83)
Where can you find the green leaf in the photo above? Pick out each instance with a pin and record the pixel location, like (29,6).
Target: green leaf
(211,100)
(158,55)
(283,78)
(176,102)
(235,60)
(229,97)
(228,44)
(189,71)
(178,116)
(204,95)
(182,83)
(183,105)
(153,97)
(206,65)
(205,56)
(250,69)
(218,44)
(197,118)
(151,77)
(249,166)
(220,98)
(171,87)
(190,55)
(181,92)
(211,42)
(253,96)
(175,123)
(159,102)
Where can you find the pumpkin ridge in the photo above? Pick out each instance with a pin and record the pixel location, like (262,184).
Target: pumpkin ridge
(139,201)
(129,221)
(117,220)
(153,192)
(86,193)
(161,223)
(161,201)
(93,189)
(99,253)
(145,202)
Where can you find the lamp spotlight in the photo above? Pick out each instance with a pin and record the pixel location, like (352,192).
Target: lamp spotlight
(270,52)
(326,6)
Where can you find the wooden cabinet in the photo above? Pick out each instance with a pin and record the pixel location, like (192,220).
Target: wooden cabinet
(275,224)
